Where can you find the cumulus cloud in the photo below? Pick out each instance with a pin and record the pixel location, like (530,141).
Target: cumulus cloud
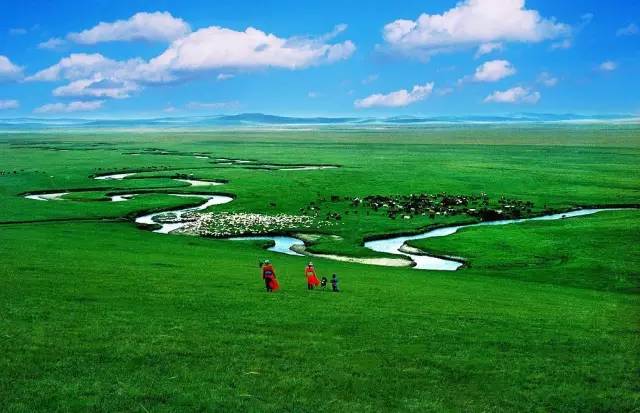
(157,26)
(75,66)
(547,79)
(213,49)
(493,70)
(9,104)
(221,48)
(95,67)
(396,99)
(517,94)
(75,106)
(629,30)
(52,44)
(472,23)
(608,66)
(486,48)
(8,70)
(97,88)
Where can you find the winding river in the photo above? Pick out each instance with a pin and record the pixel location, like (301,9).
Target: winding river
(397,246)
(283,244)
(166,228)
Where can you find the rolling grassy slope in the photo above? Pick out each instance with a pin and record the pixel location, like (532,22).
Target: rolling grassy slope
(99,315)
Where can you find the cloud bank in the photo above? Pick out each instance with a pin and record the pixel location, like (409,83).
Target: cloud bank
(472,23)
(212,49)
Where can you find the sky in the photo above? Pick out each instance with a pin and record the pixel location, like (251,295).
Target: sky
(135,58)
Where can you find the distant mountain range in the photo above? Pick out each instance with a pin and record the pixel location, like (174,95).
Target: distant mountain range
(260,119)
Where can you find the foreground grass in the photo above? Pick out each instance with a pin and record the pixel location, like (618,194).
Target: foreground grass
(99,315)
(122,319)
(601,251)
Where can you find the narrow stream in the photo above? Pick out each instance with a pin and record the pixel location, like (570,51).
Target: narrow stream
(282,244)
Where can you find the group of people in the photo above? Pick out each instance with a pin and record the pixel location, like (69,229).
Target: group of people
(271,281)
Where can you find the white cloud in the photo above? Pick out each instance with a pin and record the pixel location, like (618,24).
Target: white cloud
(567,43)
(486,48)
(76,106)
(206,49)
(98,88)
(471,23)
(8,70)
(608,66)
(493,70)
(75,66)
(9,104)
(210,49)
(224,76)
(514,95)
(337,30)
(220,48)
(547,79)
(629,30)
(95,67)
(157,26)
(52,44)
(395,99)
(314,95)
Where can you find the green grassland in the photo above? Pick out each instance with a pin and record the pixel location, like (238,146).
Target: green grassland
(96,314)
(600,251)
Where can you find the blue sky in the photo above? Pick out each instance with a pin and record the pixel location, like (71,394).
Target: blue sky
(432,57)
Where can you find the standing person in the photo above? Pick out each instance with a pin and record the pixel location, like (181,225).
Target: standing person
(269,276)
(334,284)
(312,279)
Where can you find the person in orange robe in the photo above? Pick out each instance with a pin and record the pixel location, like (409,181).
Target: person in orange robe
(312,279)
(269,277)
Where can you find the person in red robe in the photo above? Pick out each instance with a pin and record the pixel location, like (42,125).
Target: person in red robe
(312,279)
(269,277)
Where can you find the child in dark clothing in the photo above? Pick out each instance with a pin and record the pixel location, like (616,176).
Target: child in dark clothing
(334,284)
(323,283)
